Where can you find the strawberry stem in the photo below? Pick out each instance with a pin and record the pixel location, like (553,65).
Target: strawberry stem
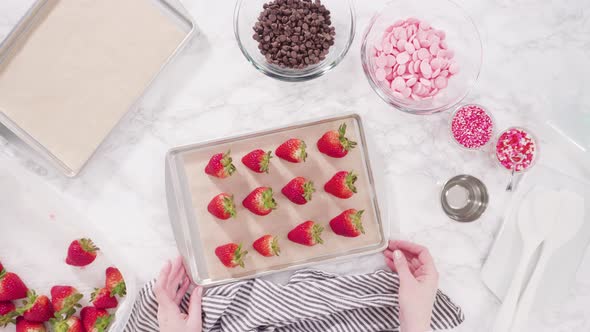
(347,144)
(229,206)
(350,181)
(87,245)
(316,233)
(268,200)
(265,162)
(357,221)
(274,245)
(226,162)
(308,190)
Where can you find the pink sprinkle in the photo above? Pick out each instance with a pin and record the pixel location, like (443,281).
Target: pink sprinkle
(472,126)
(516,148)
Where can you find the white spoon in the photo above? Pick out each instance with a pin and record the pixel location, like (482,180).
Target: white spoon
(571,209)
(536,217)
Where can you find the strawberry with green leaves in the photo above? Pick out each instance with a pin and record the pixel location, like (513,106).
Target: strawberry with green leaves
(335,144)
(11,286)
(71,324)
(8,313)
(115,282)
(299,190)
(95,320)
(221,165)
(222,206)
(342,184)
(260,201)
(65,300)
(36,308)
(102,299)
(258,160)
(81,252)
(348,223)
(267,246)
(231,255)
(307,233)
(23,325)
(293,150)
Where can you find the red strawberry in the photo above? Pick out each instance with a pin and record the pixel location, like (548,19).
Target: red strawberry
(348,223)
(222,206)
(220,166)
(95,320)
(258,160)
(11,287)
(267,246)
(23,325)
(298,190)
(260,201)
(81,252)
(36,308)
(1,267)
(342,184)
(102,299)
(7,313)
(231,254)
(65,300)
(335,144)
(292,150)
(71,324)
(307,233)
(115,282)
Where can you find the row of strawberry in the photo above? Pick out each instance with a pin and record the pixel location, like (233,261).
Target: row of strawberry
(333,143)
(348,224)
(36,310)
(299,191)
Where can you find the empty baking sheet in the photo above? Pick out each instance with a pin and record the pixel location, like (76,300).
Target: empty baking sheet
(71,69)
(202,233)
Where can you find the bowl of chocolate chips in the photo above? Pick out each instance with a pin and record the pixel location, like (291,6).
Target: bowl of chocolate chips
(294,40)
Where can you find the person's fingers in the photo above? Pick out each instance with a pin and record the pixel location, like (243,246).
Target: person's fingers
(162,280)
(390,264)
(182,290)
(401,265)
(176,274)
(194,308)
(406,246)
(427,262)
(414,264)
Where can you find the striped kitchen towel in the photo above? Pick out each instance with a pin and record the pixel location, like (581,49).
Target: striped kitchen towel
(310,301)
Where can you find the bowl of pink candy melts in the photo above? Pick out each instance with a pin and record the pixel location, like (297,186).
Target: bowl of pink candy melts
(422,56)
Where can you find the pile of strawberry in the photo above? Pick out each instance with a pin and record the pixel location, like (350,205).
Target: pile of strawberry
(299,190)
(30,312)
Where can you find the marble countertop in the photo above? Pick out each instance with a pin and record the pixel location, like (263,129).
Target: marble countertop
(535,63)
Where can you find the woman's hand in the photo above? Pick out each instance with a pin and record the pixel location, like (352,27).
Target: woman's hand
(418,283)
(172,284)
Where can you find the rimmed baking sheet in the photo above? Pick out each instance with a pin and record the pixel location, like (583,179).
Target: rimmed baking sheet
(198,233)
(71,69)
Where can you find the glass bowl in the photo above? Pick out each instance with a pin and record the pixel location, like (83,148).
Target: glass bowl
(490,142)
(462,37)
(533,161)
(343,20)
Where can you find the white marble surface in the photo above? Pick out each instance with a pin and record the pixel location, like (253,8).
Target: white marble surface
(535,63)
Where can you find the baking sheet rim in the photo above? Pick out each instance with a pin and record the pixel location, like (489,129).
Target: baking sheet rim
(180,192)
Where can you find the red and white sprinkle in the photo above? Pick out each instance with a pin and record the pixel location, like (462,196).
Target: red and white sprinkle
(516,148)
(472,127)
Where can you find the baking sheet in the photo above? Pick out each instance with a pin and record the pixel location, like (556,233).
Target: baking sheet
(210,232)
(72,68)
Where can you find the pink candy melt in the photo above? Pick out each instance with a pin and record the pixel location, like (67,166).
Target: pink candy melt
(516,149)
(472,127)
(412,54)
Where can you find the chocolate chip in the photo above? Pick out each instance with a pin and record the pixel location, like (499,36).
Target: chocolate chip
(294,33)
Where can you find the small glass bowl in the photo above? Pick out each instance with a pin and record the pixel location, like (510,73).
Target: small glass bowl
(462,37)
(493,138)
(533,162)
(343,18)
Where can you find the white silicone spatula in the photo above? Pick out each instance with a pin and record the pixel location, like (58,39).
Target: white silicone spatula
(535,220)
(571,206)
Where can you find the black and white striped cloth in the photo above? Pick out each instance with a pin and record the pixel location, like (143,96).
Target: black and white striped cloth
(310,301)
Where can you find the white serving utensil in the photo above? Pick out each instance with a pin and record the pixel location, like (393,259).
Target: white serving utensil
(535,220)
(571,206)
